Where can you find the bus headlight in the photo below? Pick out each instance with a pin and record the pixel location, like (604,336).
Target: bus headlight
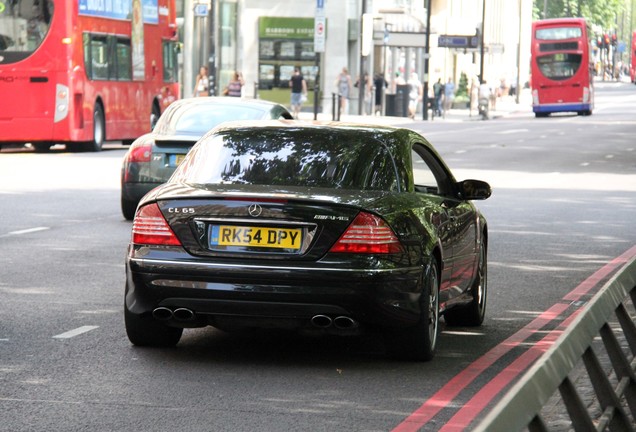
(61,102)
(535,97)
(586,95)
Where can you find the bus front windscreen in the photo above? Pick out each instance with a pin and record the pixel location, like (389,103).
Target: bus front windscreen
(23,26)
(559,66)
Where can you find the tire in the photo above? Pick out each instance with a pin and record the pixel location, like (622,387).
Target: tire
(99,130)
(128,208)
(146,331)
(472,314)
(420,341)
(42,147)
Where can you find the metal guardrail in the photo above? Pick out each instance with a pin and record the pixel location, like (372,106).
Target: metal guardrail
(520,409)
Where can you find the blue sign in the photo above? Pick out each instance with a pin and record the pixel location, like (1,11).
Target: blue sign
(201,10)
(449,41)
(119,9)
(320,4)
(622,47)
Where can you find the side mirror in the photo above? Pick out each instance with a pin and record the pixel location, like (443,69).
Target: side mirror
(473,190)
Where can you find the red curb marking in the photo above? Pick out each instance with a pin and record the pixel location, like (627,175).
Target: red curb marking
(444,396)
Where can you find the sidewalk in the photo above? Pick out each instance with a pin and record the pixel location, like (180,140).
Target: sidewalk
(505,106)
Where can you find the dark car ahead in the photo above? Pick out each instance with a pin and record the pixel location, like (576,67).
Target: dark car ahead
(319,227)
(153,157)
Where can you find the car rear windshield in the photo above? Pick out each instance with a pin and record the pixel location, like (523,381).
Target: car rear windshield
(313,158)
(197,119)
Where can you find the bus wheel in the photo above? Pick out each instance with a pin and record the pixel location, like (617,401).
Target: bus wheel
(99,129)
(42,147)
(154,116)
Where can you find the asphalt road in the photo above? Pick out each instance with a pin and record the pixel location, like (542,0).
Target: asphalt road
(563,208)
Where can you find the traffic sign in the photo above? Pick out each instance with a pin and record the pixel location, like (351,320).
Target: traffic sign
(201,9)
(319,34)
(457,41)
(319,27)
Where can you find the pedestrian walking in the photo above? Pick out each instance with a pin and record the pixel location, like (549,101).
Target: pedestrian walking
(449,94)
(298,87)
(438,92)
(343,84)
(380,85)
(415,94)
(368,90)
(202,83)
(235,86)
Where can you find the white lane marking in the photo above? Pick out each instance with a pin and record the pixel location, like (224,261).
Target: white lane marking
(25,231)
(512,131)
(75,332)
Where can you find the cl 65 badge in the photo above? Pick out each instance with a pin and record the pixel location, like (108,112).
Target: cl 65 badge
(182,210)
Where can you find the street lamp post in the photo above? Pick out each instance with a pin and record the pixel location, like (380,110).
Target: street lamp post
(481,42)
(361,85)
(427,50)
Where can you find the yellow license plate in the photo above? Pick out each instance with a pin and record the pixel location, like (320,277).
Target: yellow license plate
(268,237)
(179,158)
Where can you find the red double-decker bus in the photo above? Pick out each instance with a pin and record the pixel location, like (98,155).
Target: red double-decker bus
(562,78)
(632,56)
(82,72)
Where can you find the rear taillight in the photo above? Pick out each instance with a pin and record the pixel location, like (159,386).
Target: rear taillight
(151,228)
(139,153)
(368,234)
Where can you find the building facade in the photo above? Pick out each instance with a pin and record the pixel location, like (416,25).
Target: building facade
(266,39)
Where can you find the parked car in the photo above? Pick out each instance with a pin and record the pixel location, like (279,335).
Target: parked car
(318,227)
(153,157)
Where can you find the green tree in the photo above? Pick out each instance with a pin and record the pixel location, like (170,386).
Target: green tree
(462,87)
(602,13)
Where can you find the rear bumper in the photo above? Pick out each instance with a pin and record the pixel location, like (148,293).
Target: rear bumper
(553,108)
(276,291)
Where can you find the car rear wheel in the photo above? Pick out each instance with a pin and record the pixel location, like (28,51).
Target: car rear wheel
(472,315)
(146,331)
(128,208)
(419,342)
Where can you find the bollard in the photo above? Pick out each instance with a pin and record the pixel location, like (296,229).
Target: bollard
(333,106)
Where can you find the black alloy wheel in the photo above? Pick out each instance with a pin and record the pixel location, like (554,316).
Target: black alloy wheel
(420,341)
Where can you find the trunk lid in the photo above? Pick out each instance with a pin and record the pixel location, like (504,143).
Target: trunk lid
(251,221)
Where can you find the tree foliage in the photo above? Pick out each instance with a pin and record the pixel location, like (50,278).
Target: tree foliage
(602,13)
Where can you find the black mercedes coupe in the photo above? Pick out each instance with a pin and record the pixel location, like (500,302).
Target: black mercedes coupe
(326,228)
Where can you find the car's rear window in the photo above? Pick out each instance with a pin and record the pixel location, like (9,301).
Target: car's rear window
(197,119)
(288,157)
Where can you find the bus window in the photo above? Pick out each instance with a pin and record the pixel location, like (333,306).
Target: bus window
(559,66)
(170,65)
(124,62)
(97,57)
(24,25)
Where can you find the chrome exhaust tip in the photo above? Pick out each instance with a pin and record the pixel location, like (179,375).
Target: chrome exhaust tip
(345,323)
(321,321)
(183,314)
(162,313)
